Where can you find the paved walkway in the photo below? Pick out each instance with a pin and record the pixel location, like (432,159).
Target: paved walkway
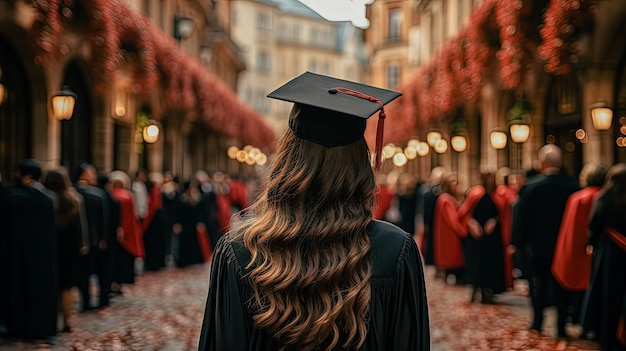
(163,311)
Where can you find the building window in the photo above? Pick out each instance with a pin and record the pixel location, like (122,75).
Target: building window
(395,25)
(263,61)
(263,22)
(393,75)
(296,32)
(314,36)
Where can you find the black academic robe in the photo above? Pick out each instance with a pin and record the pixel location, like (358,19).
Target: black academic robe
(32,246)
(97,211)
(430,200)
(398,305)
(607,285)
(484,264)
(189,215)
(4,254)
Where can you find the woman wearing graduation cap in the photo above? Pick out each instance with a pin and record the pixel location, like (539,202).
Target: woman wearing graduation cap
(308,268)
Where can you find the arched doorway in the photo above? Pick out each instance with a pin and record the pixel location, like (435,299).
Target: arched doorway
(15,112)
(563,119)
(76,133)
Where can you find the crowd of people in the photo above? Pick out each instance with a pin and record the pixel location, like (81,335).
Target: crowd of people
(61,232)
(567,238)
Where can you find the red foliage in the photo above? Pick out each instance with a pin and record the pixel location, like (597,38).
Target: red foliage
(120,37)
(562,21)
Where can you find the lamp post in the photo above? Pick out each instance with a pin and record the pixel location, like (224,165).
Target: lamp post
(422,149)
(520,131)
(183,28)
(63,104)
(151,132)
(431,138)
(459,144)
(440,147)
(497,139)
(602,118)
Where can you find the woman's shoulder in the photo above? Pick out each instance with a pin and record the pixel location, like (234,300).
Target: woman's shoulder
(389,246)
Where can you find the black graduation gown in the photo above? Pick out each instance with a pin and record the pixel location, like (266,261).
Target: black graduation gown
(430,200)
(408,209)
(188,215)
(4,254)
(484,266)
(607,285)
(398,307)
(97,211)
(32,245)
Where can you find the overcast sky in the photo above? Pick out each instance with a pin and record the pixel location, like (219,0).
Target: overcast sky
(341,10)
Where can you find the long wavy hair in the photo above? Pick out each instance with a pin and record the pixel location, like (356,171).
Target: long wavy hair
(307,233)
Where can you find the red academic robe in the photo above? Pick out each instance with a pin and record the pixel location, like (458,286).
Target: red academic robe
(448,233)
(155,201)
(133,232)
(223,214)
(620,241)
(239,194)
(504,197)
(472,197)
(571,266)
(384,196)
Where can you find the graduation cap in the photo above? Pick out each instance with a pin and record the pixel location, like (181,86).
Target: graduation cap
(334,112)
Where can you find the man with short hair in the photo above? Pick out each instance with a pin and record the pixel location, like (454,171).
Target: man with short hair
(536,222)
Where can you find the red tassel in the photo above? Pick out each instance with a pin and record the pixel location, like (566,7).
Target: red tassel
(378,151)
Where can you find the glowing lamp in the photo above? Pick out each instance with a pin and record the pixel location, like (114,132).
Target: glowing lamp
(151,132)
(498,139)
(63,104)
(601,116)
(459,143)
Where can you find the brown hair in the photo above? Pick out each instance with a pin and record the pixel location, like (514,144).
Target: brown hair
(310,269)
(58,182)
(614,191)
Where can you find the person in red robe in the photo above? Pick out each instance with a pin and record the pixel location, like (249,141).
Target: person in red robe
(130,235)
(571,265)
(154,225)
(504,196)
(484,268)
(384,196)
(449,230)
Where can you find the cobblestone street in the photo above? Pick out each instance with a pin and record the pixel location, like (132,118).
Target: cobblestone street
(163,311)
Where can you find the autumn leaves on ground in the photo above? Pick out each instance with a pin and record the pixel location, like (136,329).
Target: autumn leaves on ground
(163,311)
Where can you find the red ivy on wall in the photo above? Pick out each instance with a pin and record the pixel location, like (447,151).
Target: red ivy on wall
(496,29)
(563,20)
(120,38)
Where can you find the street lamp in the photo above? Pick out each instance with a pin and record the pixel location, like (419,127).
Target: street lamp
(459,143)
(183,27)
(497,139)
(520,131)
(441,146)
(601,116)
(432,137)
(63,104)
(151,132)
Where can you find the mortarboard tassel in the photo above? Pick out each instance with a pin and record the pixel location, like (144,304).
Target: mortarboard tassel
(381,121)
